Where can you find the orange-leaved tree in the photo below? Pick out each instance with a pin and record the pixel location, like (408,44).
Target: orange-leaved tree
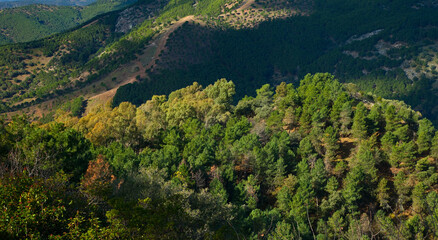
(97,182)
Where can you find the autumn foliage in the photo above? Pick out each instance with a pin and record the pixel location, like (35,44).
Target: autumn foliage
(97,182)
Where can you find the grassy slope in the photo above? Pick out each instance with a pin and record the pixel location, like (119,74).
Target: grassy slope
(20,3)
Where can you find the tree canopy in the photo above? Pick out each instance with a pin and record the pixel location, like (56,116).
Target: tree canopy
(319,161)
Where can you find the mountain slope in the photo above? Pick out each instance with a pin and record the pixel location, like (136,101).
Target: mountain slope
(33,22)
(360,43)
(257,42)
(15,3)
(82,68)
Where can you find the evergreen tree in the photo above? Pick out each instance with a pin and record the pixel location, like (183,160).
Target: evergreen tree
(434,147)
(392,119)
(345,118)
(353,189)
(365,158)
(376,119)
(334,200)
(302,201)
(425,134)
(218,190)
(331,145)
(336,110)
(403,153)
(283,231)
(360,127)
(402,188)
(307,151)
(383,193)
(318,176)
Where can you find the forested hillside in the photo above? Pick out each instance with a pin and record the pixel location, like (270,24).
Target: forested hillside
(317,161)
(49,69)
(40,69)
(34,22)
(270,153)
(387,48)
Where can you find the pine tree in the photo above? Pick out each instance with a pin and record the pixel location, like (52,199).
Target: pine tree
(392,119)
(318,176)
(330,139)
(218,190)
(359,127)
(383,193)
(353,189)
(336,110)
(365,158)
(434,147)
(306,150)
(345,118)
(302,200)
(425,135)
(376,119)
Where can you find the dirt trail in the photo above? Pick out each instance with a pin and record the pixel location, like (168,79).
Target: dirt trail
(107,95)
(125,75)
(246,5)
(160,43)
(91,23)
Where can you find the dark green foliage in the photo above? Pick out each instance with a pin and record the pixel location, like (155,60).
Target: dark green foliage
(323,160)
(330,139)
(236,129)
(122,159)
(425,135)
(349,167)
(353,190)
(359,127)
(45,151)
(36,207)
(76,107)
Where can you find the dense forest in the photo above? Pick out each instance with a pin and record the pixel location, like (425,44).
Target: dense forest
(317,161)
(268,151)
